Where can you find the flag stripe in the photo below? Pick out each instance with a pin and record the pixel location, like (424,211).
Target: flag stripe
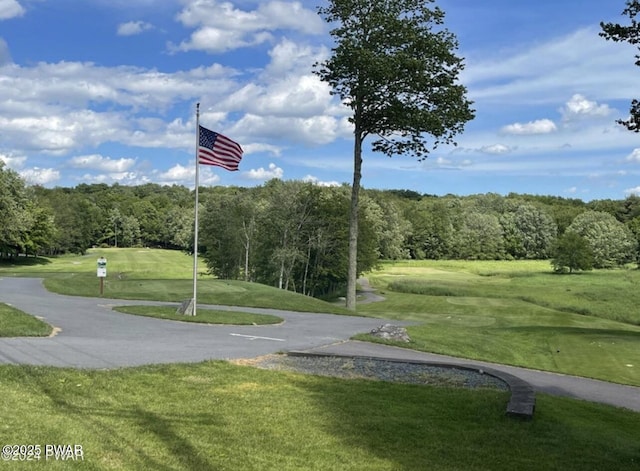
(216,149)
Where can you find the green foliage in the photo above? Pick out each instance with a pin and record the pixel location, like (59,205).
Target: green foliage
(252,233)
(14,212)
(479,236)
(432,229)
(292,235)
(155,275)
(630,34)
(394,65)
(610,241)
(572,252)
(634,227)
(529,232)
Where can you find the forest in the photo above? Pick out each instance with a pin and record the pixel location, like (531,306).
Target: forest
(294,235)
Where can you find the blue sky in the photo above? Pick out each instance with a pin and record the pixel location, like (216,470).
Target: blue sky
(104,91)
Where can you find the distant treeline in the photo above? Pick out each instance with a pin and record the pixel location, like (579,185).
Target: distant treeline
(294,235)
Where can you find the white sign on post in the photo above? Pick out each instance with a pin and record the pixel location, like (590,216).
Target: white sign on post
(102,267)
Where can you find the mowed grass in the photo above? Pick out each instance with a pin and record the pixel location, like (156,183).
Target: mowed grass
(610,294)
(203,316)
(156,275)
(219,416)
(517,313)
(15,323)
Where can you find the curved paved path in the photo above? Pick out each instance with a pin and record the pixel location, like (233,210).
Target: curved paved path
(94,336)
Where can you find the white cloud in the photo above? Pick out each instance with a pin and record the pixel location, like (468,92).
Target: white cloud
(634,156)
(300,96)
(264,174)
(12,161)
(132,28)
(578,106)
(122,178)
(289,56)
(317,181)
(178,173)
(46,107)
(540,126)
(633,191)
(105,164)
(315,130)
(496,149)
(10,9)
(255,148)
(222,27)
(579,62)
(40,176)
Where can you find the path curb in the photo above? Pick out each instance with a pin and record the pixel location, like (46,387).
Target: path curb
(521,405)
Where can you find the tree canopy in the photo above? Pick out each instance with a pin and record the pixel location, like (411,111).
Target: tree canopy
(572,253)
(394,66)
(292,234)
(630,34)
(610,241)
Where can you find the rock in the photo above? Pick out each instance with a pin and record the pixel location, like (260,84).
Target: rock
(391,332)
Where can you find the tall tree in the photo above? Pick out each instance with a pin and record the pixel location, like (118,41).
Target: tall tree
(611,242)
(394,66)
(14,213)
(572,252)
(630,34)
(529,232)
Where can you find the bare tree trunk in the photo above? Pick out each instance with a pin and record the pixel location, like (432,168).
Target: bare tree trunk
(247,245)
(281,278)
(306,267)
(353,222)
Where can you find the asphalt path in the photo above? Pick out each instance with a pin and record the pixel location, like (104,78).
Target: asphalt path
(91,335)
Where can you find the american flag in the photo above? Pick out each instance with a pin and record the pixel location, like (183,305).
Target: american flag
(219,150)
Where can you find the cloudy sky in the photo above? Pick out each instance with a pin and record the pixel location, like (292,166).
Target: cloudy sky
(95,91)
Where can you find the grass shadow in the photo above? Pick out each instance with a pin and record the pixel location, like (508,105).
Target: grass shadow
(580,331)
(24,262)
(419,427)
(155,430)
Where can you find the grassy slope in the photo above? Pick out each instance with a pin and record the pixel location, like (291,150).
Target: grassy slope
(159,275)
(220,416)
(479,312)
(215,415)
(204,316)
(15,323)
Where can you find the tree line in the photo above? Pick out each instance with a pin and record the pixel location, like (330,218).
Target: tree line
(294,235)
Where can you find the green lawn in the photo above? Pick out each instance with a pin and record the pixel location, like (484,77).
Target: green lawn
(517,313)
(203,316)
(15,323)
(156,275)
(216,415)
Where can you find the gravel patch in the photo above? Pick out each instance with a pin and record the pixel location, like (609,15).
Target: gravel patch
(380,370)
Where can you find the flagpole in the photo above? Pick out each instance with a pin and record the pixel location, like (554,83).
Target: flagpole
(195,230)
